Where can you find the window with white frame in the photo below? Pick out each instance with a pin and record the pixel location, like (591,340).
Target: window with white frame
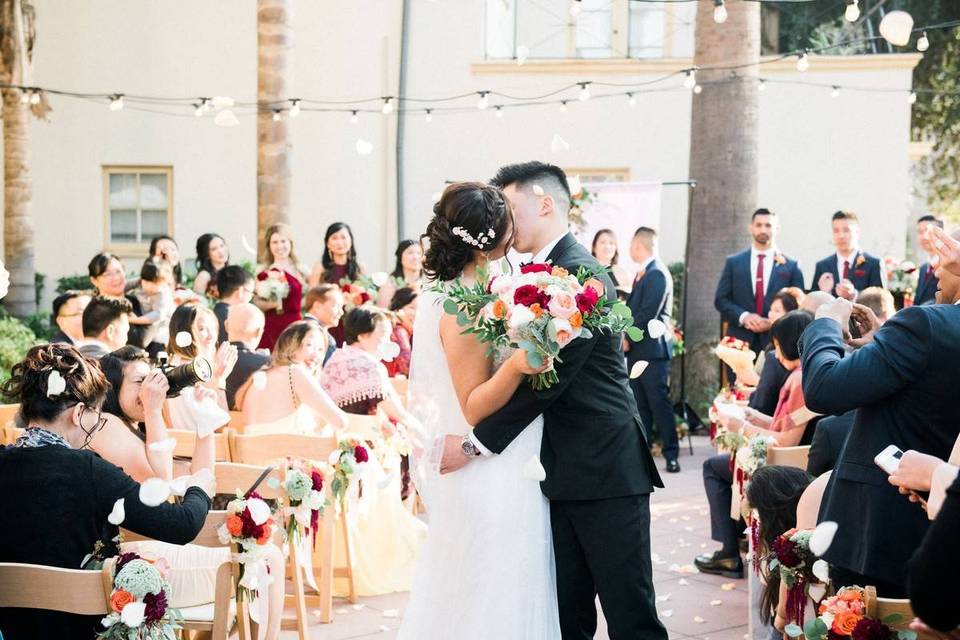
(138,205)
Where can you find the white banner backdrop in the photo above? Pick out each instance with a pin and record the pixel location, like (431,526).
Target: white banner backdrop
(620,207)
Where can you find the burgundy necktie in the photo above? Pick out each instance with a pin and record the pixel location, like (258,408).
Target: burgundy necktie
(758,295)
(929,275)
(846,269)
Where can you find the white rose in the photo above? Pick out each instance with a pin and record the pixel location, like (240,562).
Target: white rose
(520,316)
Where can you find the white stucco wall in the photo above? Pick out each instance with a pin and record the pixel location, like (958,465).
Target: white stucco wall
(817,153)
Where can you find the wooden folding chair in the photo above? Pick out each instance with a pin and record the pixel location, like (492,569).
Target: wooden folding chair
(226,609)
(187,442)
(232,477)
(362,428)
(237,423)
(788,456)
(77,591)
(883,607)
(267,449)
(8,414)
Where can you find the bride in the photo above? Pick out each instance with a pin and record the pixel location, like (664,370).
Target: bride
(487,567)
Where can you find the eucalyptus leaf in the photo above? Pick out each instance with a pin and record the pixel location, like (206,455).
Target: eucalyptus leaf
(635,333)
(890,619)
(463,319)
(773,564)
(907,634)
(534,359)
(793,630)
(450,306)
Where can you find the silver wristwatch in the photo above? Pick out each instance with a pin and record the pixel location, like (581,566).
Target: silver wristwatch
(469,449)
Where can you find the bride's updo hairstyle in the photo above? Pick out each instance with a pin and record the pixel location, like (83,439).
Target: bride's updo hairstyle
(470,216)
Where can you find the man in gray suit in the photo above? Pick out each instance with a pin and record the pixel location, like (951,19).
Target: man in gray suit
(106,324)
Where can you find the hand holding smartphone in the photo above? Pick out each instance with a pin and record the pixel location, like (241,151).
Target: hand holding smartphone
(889,461)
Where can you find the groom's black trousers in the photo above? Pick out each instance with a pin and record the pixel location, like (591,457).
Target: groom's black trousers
(603,547)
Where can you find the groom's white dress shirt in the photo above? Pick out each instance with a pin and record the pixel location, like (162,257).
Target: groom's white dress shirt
(540,256)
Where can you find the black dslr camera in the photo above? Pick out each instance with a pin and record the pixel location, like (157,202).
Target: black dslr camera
(184,375)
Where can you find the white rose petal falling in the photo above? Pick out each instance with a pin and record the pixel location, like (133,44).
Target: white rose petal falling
(55,384)
(118,514)
(183,339)
(533,470)
(638,368)
(822,537)
(154,492)
(558,144)
(656,328)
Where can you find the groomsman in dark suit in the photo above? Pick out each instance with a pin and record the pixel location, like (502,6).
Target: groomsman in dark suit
(652,298)
(926,279)
(850,269)
(751,279)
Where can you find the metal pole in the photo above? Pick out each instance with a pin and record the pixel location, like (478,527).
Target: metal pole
(401,111)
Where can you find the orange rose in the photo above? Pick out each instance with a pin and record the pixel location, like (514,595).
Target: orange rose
(845,621)
(119,599)
(235,525)
(536,309)
(265,538)
(576,320)
(559,272)
(851,595)
(596,285)
(499,309)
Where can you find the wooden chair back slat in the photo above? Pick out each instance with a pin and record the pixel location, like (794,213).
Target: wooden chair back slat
(76,591)
(267,448)
(362,427)
(788,456)
(207,537)
(187,440)
(237,423)
(881,608)
(233,476)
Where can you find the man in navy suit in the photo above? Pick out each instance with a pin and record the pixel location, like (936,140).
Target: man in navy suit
(926,279)
(652,299)
(751,279)
(850,269)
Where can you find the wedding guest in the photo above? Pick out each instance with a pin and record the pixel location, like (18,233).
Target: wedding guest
(244,329)
(605,250)
(324,304)
(879,301)
(768,387)
(283,266)
(901,384)
(339,262)
(651,298)
(106,323)
(407,272)
(926,279)
(774,492)
(850,269)
(166,250)
(235,285)
(193,334)
(109,279)
(212,255)
(155,295)
(717,470)
(751,278)
(290,397)
(57,496)
(68,315)
(404,307)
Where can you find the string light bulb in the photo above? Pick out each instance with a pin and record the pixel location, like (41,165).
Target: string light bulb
(584,91)
(912,98)
(690,81)
(697,89)
(835,93)
(484,101)
(35,97)
(852,13)
(499,111)
(575,9)
(719,12)
(923,43)
(631,100)
(387,107)
(803,62)
(294,107)
(354,117)
(429,117)
(563,106)
(276,115)
(25,96)
(116,102)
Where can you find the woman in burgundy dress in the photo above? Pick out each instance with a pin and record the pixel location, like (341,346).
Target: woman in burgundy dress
(279,290)
(338,266)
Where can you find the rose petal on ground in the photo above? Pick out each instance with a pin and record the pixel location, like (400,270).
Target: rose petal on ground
(698,619)
(358,607)
(667,613)
(341,612)
(716,603)
(682,582)
(664,598)
(391,613)
(384,627)
(728,586)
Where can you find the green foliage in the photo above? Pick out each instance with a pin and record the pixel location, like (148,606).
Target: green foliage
(676,273)
(15,340)
(79,282)
(39,284)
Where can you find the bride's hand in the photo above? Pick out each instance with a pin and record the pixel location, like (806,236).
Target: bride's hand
(520,364)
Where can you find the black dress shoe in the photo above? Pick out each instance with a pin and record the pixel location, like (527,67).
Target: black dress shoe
(673,466)
(718,565)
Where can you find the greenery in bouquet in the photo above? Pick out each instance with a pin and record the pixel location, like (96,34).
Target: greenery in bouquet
(346,461)
(678,347)
(303,487)
(580,201)
(274,288)
(844,615)
(540,310)
(799,568)
(138,602)
(753,456)
(901,275)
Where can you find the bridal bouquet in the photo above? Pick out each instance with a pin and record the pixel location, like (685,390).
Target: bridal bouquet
(274,288)
(138,602)
(540,310)
(354,294)
(249,526)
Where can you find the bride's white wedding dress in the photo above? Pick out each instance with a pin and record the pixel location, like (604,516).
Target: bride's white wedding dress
(487,567)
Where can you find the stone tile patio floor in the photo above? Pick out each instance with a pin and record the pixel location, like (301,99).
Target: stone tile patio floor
(691,605)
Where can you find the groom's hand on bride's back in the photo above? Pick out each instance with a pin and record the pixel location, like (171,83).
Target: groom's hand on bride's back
(522,366)
(453,456)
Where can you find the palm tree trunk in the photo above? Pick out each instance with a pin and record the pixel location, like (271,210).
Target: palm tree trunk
(274,40)
(724,137)
(17,224)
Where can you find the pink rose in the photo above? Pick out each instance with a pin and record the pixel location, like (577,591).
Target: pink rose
(562,305)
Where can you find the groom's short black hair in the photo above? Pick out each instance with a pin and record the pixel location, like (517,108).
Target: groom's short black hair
(532,172)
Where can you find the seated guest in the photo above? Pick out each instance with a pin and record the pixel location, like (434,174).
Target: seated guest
(155,295)
(407,271)
(234,286)
(404,307)
(783,302)
(212,255)
(324,305)
(244,330)
(68,314)
(57,496)
(717,470)
(879,301)
(774,492)
(109,280)
(926,279)
(849,270)
(814,300)
(106,323)
(289,397)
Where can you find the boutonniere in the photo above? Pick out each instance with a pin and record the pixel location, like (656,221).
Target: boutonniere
(860,260)
(778,259)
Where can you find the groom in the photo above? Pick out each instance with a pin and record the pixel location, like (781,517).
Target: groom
(599,470)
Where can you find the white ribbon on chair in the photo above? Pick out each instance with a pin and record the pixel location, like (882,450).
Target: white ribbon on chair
(256,577)
(305,546)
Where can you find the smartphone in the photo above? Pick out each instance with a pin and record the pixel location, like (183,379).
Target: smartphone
(889,459)
(854,329)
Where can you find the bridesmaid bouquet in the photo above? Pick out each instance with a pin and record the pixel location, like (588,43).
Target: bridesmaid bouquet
(540,310)
(138,602)
(274,288)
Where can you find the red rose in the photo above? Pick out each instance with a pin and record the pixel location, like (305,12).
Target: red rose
(529,295)
(360,454)
(345,288)
(317,481)
(536,267)
(587,300)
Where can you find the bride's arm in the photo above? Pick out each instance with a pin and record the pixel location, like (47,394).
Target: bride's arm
(480,393)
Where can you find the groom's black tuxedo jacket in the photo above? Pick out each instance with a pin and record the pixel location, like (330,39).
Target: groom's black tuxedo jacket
(593,445)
